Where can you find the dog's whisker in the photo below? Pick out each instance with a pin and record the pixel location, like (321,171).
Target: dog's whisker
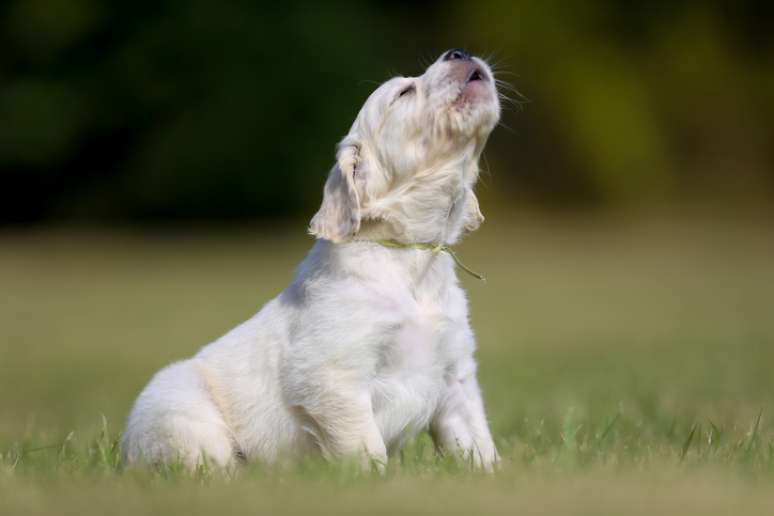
(517,96)
(487,169)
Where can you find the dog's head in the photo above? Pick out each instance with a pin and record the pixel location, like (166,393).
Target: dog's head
(408,165)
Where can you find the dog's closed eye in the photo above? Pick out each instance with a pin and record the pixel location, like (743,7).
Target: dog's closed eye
(408,89)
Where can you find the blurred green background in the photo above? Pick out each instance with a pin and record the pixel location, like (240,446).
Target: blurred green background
(178,110)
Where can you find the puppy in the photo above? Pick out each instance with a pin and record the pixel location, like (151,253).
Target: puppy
(370,344)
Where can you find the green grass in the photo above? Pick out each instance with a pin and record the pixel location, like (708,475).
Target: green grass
(627,368)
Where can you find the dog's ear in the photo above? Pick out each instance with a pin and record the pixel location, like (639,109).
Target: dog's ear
(339,216)
(473,216)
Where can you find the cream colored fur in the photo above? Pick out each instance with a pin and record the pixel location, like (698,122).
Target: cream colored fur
(368,345)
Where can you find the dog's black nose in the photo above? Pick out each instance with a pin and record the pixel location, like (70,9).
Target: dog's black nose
(456,53)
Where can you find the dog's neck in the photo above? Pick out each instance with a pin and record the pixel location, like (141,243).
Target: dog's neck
(429,207)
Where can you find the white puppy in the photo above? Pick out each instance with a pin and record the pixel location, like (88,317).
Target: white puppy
(370,344)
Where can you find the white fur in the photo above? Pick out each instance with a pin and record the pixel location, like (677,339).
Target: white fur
(368,345)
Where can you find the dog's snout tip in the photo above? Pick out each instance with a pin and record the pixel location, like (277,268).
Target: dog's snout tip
(457,54)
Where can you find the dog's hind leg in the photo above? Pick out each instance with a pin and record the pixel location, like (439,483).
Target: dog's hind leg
(176,420)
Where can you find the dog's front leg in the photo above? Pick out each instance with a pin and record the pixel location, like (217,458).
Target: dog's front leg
(345,428)
(459,425)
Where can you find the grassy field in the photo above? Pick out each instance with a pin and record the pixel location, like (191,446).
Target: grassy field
(627,369)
